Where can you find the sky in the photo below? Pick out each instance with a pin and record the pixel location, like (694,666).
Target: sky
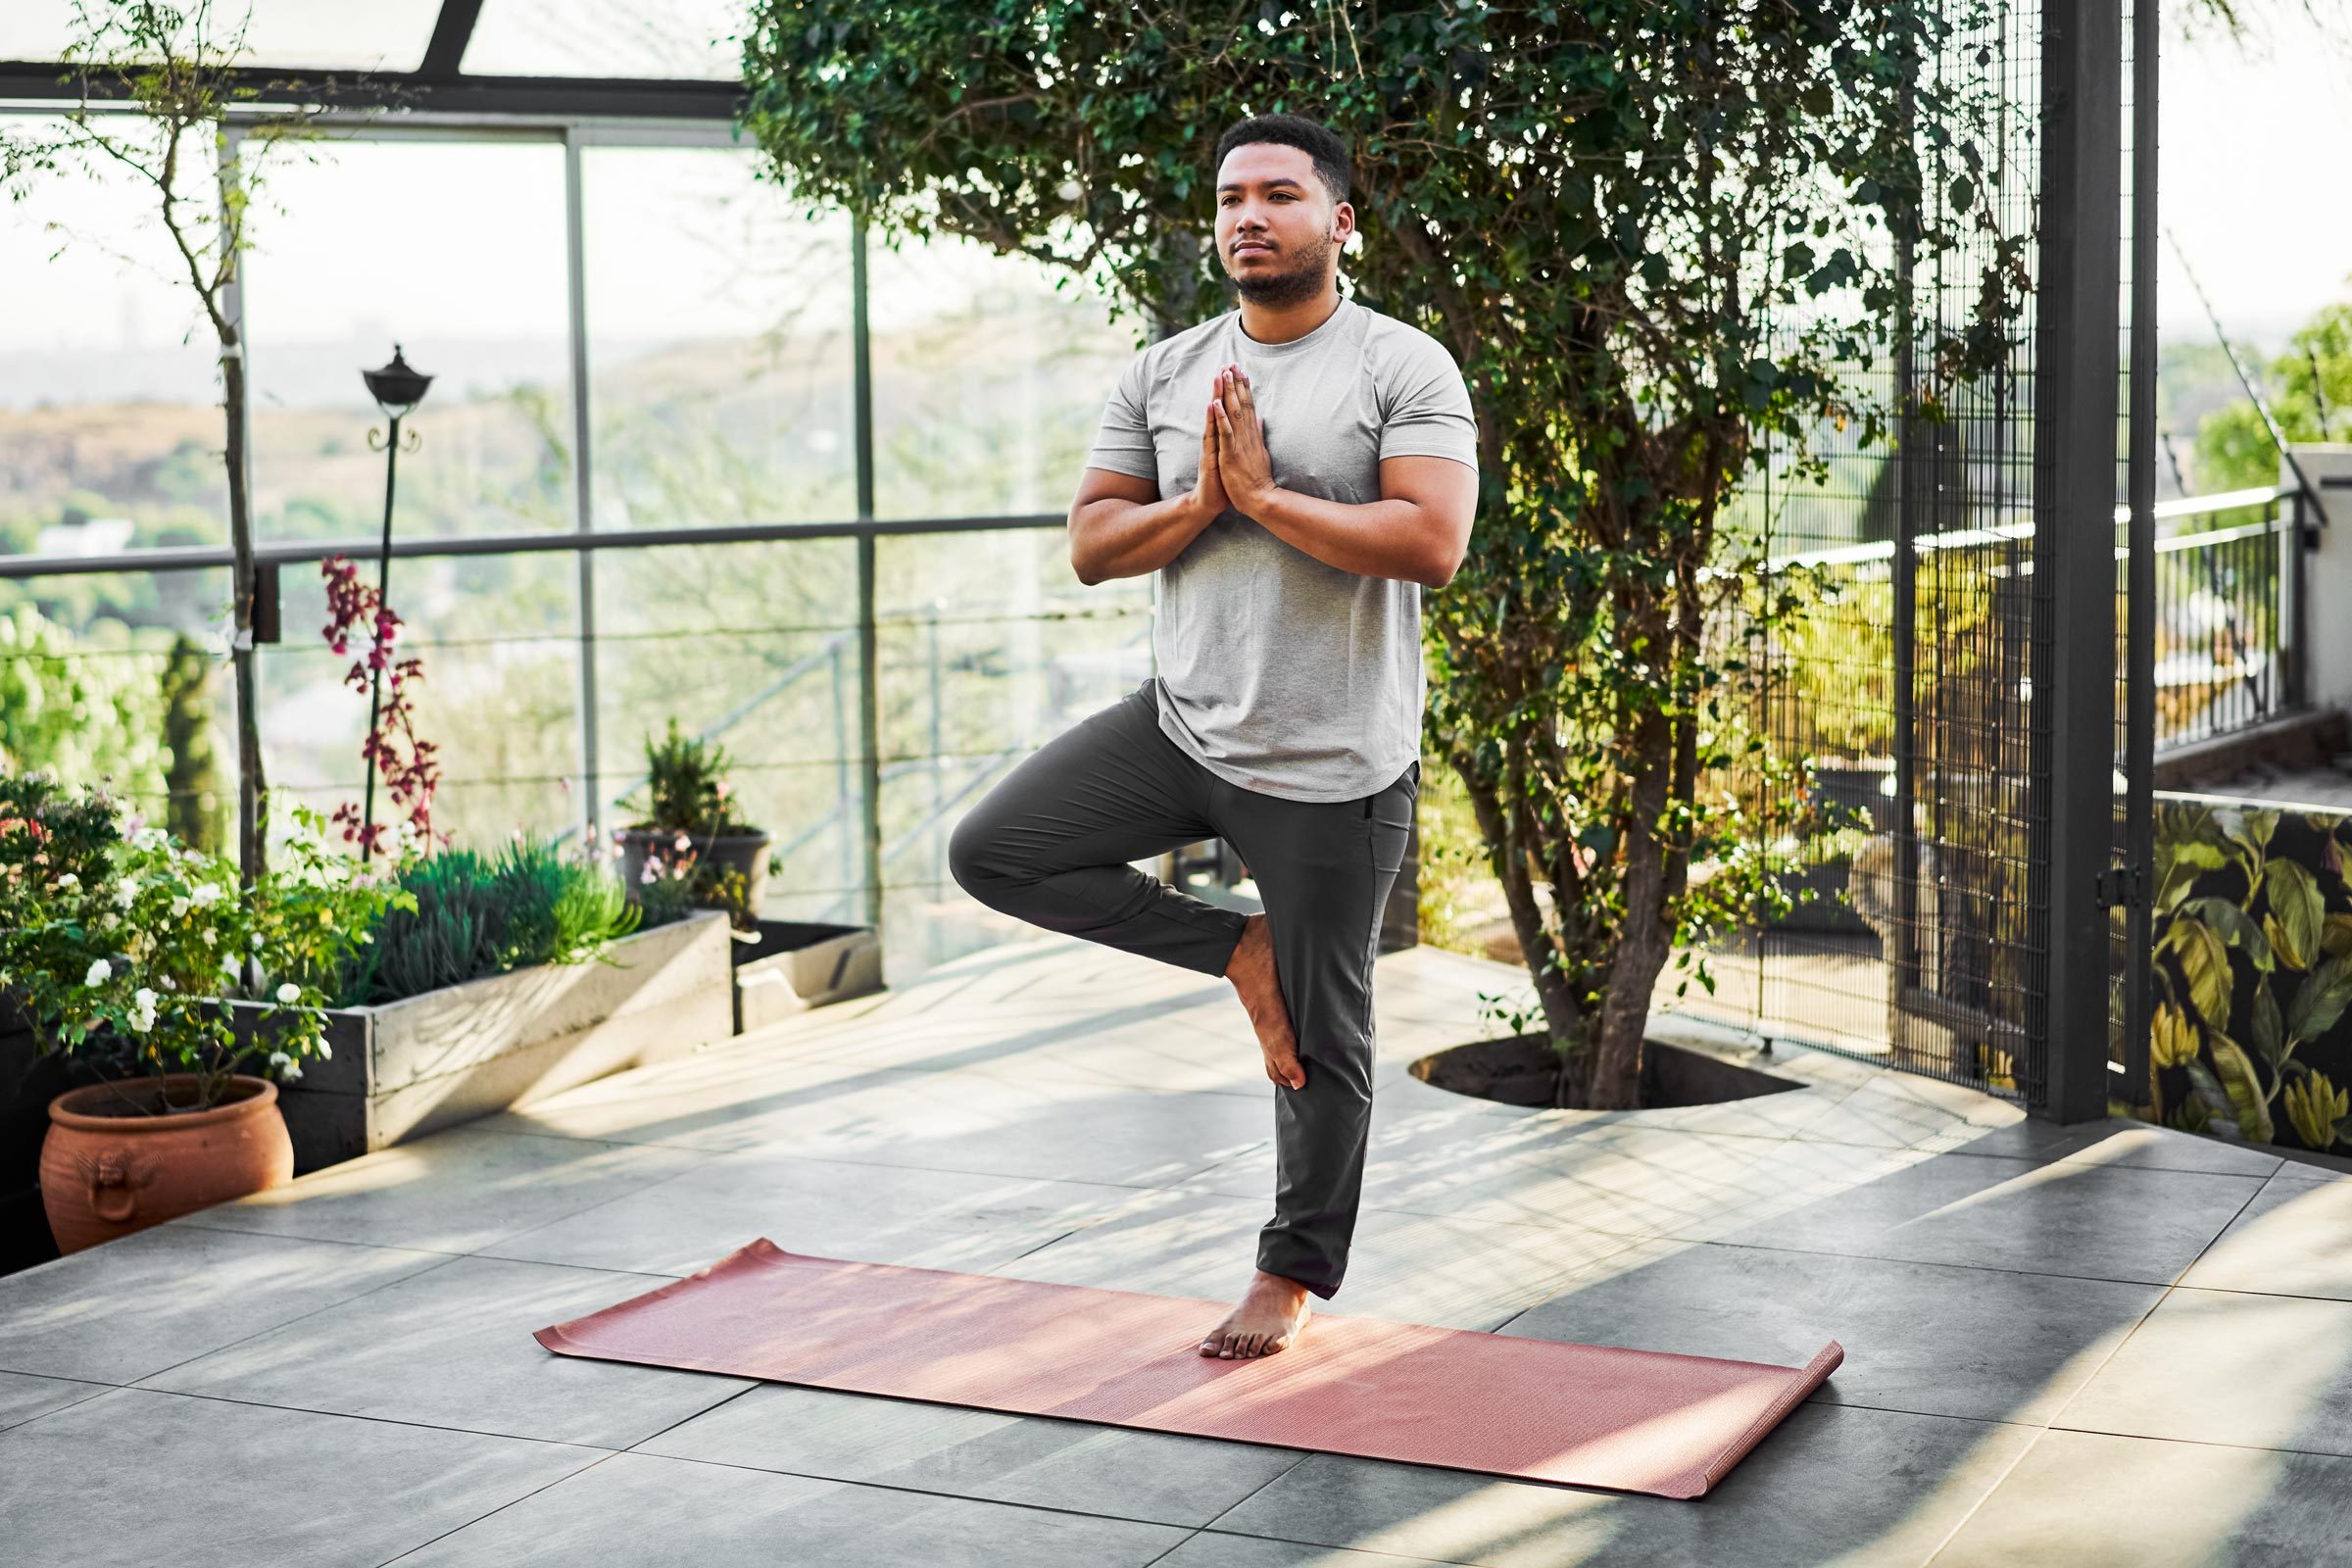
(2250,158)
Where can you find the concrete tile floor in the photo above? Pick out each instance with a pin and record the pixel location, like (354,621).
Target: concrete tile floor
(2086,1345)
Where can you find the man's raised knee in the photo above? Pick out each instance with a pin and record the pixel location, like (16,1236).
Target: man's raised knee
(968,860)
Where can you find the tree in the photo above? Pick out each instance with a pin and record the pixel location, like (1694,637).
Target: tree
(192,780)
(1657,234)
(2309,393)
(177,74)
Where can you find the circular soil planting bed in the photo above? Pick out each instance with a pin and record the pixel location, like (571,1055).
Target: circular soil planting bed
(1524,1070)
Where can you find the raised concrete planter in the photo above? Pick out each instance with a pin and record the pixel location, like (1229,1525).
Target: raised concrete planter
(796,966)
(424,1063)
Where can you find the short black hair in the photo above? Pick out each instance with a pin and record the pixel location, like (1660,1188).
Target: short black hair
(1318,142)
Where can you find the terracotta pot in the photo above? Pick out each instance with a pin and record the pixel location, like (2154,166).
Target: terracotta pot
(107,1169)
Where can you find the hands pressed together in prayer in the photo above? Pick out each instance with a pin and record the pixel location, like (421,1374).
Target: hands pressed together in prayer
(1236,469)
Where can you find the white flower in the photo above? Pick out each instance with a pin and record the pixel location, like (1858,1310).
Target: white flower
(179,906)
(100,972)
(257,939)
(110,921)
(206,892)
(209,938)
(284,1064)
(683,842)
(326,1052)
(144,997)
(69,880)
(142,1012)
(125,891)
(289,992)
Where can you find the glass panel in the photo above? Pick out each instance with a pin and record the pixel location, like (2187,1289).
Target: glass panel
(988,648)
(987,385)
(675,40)
(718,337)
(472,289)
(381,36)
(499,698)
(111,431)
(754,646)
(116,678)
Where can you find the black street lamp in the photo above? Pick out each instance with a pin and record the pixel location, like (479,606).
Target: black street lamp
(397,387)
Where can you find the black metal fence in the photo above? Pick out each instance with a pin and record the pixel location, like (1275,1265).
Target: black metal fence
(1961,635)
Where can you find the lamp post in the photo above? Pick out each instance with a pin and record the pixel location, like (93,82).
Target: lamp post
(397,387)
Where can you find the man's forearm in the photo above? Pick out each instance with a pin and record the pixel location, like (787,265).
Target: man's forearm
(1384,538)
(1115,538)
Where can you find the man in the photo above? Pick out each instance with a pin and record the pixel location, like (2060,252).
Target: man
(1296,471)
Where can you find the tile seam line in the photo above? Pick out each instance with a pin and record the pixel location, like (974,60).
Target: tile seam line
(910,1491)
(2163,1295)
(299,1317)
(1798,1137)
(2171,1286)
(942,1170)
(500,1508)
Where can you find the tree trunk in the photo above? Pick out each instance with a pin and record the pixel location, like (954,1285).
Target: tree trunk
(1562,1019)
(253,790)
(1642,940)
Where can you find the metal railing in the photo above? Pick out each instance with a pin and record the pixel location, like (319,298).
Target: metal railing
(2228,615)
(848,659)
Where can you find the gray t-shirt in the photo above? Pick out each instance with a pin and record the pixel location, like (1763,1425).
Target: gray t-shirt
(1279,672)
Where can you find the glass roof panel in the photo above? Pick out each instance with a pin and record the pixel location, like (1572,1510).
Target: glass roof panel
(332,34)
(670,40)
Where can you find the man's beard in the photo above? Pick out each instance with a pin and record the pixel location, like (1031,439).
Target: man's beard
(1302,279)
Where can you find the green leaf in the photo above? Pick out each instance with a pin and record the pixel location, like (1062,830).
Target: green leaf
(2335,935)
(2294,895)
(2236,926)
(2269,1034)
(2205,965)
(2245,1094)
(2321,999)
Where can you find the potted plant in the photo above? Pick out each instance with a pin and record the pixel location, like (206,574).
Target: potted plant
(514,973)
(690,826)
(125,950)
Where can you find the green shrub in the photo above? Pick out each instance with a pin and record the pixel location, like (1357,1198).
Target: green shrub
(479,916)
(124,964)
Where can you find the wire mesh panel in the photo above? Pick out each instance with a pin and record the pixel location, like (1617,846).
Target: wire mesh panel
(1905,678)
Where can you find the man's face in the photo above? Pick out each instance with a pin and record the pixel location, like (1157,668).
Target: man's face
(1277,225)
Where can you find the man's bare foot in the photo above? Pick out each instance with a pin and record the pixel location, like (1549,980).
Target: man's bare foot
(1271,1316)
(1252,971)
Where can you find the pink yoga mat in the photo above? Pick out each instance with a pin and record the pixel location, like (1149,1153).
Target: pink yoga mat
(1586,1414)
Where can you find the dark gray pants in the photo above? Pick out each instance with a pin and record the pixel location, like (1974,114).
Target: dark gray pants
(1051,844)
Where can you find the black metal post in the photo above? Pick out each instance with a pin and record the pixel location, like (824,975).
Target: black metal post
(869,660)
(375,686)
(2072,732)
(1912,434)
(2139,631)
